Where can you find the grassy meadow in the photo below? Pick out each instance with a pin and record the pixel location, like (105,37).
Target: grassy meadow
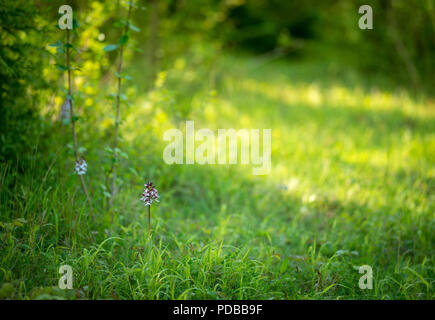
(351,184)
(352,180)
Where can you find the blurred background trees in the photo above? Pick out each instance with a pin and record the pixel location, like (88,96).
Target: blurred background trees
(21,62)
(400,50)
(352,180)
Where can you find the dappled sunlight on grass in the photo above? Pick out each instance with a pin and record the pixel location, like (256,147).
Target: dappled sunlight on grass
(351,149)
(312,95)
(321,135)
(347,164)
(350,180)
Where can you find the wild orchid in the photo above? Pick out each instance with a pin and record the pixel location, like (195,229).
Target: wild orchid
(149,195)
(81,167)
(67,109)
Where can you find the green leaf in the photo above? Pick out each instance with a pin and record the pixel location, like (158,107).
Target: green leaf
(61,67)
(57,44)
(126,77)
(132,170)
(19,222)
(123,40)
(134,28)
(76,23)
(284,265)
(110,47)
(119,23)
(111,96)
(108,149)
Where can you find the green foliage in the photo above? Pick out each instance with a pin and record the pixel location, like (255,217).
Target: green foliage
(351,185)
(110,47)
(401,43)
(352,178)
(21,62)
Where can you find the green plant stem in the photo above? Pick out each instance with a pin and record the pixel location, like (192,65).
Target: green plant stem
(118,101)
(149,218)
(73,125)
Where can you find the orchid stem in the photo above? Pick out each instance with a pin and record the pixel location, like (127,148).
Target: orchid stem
(149,218)
(73,126)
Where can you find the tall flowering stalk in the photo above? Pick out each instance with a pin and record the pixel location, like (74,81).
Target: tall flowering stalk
(149,195)
(81,164)
(121,45)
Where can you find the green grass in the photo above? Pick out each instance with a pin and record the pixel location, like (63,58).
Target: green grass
(352,184)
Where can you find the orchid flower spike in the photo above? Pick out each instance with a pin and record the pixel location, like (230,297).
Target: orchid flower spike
(81,167)
(150,194)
